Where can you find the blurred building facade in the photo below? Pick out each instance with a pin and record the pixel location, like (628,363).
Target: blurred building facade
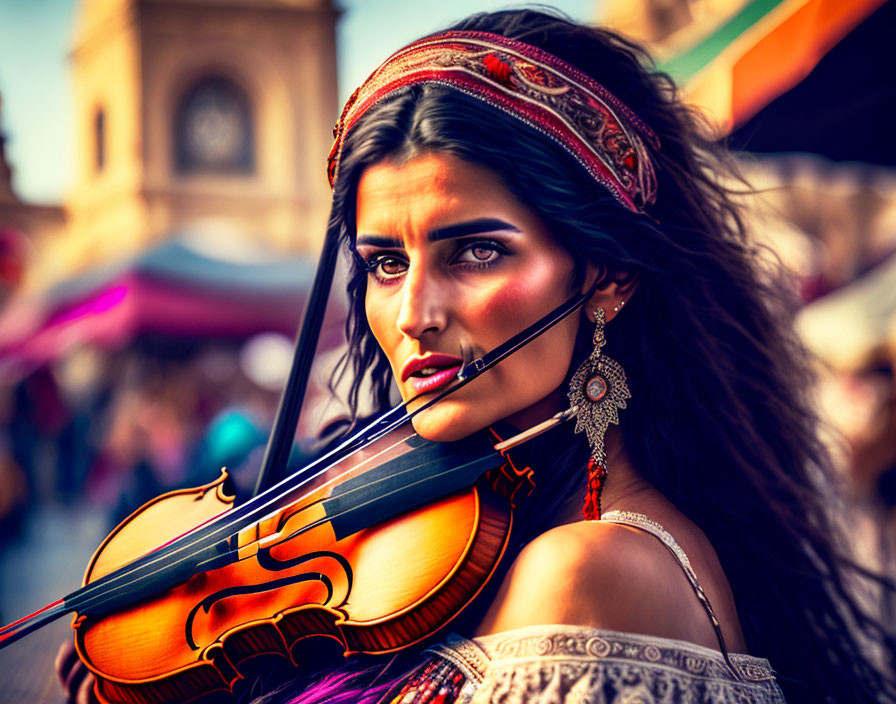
(156,305)
(195,113)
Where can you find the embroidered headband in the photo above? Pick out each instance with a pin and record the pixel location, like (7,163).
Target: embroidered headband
(536,87)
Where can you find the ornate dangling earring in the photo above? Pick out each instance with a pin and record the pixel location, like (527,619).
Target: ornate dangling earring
(597,392)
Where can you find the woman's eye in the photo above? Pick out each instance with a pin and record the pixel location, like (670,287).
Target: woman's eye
(386,267)
(480,253)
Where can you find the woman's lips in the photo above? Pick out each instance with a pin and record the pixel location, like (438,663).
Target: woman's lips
(444,368)
(441,378)
(432,360)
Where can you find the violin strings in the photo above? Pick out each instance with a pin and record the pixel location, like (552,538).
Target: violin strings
(362,487)
(518,439)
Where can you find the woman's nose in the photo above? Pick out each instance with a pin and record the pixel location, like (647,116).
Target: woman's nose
(423,304)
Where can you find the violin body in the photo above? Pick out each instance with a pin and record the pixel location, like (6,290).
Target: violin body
(300,574)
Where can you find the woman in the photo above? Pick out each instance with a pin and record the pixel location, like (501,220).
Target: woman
(472,218)
(483,177)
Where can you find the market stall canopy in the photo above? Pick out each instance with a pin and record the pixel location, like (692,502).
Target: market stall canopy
(839,111)
(173,290)
(767,47)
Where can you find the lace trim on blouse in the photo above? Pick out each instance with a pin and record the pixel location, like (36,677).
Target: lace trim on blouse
(564,664)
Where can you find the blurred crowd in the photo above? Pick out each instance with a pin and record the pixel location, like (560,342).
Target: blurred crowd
(115,429)
(834,227)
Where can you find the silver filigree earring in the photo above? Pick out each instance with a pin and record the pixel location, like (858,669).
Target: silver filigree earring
(597,391)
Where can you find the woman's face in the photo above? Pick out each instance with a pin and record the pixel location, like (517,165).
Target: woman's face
(457,263)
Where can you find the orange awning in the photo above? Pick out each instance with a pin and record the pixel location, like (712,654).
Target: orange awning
(761,52)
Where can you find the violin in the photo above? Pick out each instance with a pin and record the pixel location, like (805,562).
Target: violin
(347,561)
(376,545)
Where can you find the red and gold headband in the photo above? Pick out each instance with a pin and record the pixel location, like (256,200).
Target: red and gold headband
(548,94)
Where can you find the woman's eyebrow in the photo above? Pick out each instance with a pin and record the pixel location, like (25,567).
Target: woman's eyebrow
(473,227)
(461,229)
(379,241)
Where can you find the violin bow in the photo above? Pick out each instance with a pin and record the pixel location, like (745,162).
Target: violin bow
(280,442)
(208,546)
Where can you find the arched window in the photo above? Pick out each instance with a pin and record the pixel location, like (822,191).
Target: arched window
(213,128)
(99,139)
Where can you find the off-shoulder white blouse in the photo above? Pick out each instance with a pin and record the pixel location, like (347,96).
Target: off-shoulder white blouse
(563,664)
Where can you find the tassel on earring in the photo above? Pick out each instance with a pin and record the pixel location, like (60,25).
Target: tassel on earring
(597,390)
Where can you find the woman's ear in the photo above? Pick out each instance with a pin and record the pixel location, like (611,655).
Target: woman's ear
(614,289)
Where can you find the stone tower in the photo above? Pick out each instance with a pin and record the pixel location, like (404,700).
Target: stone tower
(189,113)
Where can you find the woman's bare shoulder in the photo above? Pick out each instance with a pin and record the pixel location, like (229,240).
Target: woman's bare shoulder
(601,575)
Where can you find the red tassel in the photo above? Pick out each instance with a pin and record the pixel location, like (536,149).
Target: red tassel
(596,474)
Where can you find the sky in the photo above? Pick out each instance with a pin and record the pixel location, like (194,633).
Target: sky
(35,38)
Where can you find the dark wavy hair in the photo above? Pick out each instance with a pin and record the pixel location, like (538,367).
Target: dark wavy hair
(720,419)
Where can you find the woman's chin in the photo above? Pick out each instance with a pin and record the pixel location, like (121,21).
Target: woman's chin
(447,422)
